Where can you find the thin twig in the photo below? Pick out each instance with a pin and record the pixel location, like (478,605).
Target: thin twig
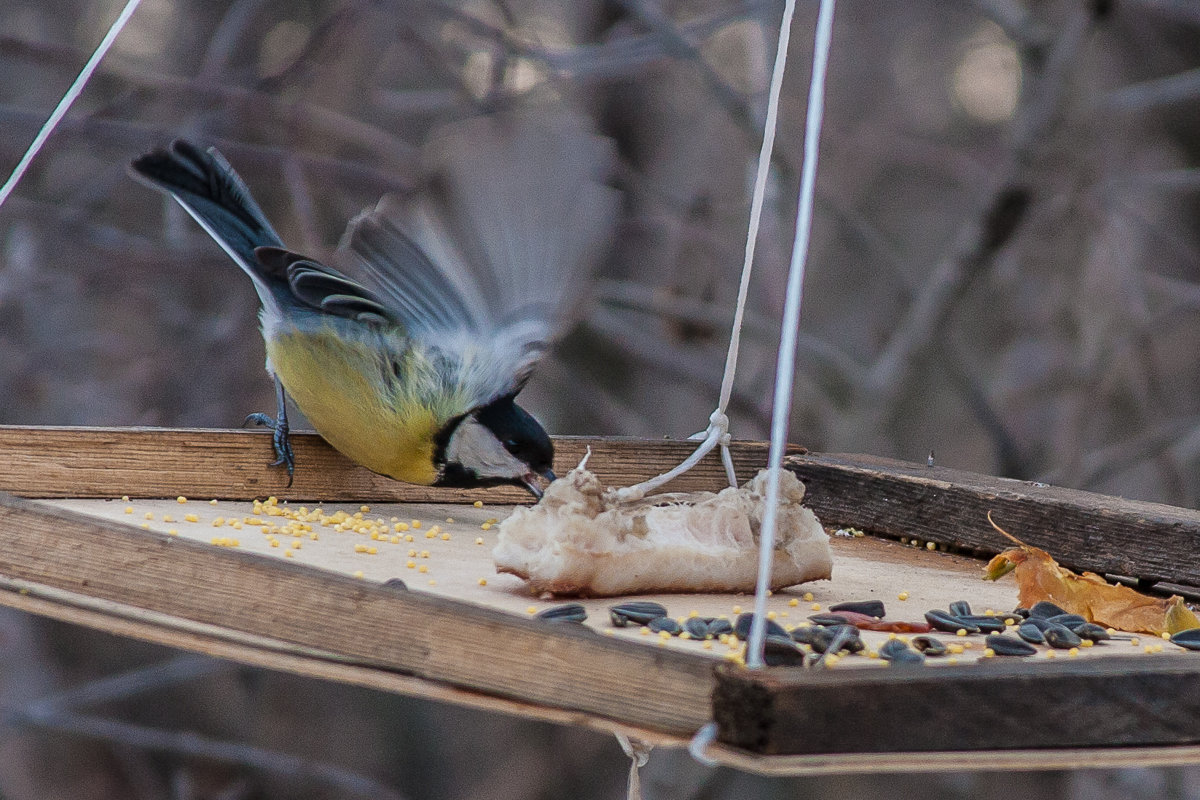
(176,670)
(194,745)
(1139,98)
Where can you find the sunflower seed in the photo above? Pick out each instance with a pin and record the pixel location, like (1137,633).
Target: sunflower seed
(696,628)
(838,639)
(826,620)
(741,628)
(960,608)
(660,624)
(637,612)
(889,649)
(1045,609)
(780,651)
(396,583)
(1031,633)
(929,645)
(872,608)
(1092,631)
(568,612)
(1061,637)
(803,634)
(1008,646)
(985,623)
(1071,621)
(943,621)
(718,626)
(1188,640)
(906,658)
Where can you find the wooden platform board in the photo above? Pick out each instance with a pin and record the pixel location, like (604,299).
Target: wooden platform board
(468,636)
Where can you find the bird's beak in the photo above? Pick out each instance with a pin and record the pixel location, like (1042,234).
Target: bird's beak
(532,481)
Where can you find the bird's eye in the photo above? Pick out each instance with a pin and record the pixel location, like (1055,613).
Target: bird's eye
(511,444)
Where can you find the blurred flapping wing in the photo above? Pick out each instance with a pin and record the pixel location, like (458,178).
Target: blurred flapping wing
(487,261)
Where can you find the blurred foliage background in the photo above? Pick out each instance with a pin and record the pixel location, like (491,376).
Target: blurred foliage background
(1005,271)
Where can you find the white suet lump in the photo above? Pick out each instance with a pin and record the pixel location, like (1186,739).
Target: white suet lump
(580,540)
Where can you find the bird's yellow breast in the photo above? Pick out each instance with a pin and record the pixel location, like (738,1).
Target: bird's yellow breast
(339,386)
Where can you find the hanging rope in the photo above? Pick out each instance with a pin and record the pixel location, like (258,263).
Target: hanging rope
(639,753)
(68,99)
(717,433)
(786,365)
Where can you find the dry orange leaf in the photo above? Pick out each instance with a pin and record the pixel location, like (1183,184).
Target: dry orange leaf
(1039,577)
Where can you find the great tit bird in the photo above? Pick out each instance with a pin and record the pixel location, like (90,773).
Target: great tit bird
(411,368)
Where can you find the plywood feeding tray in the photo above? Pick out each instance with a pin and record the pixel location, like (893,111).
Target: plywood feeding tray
(160,569)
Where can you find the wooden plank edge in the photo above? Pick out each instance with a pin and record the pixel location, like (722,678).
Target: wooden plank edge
(265,653)
(49,462)
(1123,701)
(278,656)
(1082,530)
(955,761)
(572,668)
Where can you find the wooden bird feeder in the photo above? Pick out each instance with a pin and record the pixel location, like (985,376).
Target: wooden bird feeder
(69,549)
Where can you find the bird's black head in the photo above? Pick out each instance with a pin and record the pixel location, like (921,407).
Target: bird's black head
(499,443)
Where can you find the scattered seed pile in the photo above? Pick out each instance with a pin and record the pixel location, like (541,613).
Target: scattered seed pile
(835,634)
(288,529)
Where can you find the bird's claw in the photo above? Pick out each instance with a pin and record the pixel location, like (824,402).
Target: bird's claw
(280,440)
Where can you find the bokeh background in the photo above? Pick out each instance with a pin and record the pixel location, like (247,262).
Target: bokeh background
(1005,271)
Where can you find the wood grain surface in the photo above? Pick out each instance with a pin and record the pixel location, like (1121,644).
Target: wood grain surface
(1003,703)
(234,464)
(1082,530)
(1114,701)
(460,644)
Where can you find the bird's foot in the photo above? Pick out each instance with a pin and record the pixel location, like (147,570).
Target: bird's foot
(280,440)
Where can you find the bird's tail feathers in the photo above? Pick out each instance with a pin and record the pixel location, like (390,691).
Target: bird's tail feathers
(209,189)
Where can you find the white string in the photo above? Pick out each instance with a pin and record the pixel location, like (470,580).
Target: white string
(639,753)
(717,432)
(68,99)
(786,366)
(698,746)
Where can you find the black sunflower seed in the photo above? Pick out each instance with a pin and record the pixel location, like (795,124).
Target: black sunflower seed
(1061,637)
(837,639)
(1038,622)
(825,620)
(637,612)
(907,658)
(889,649)
(1092,631)
(696,628)
(872,608)
(1188,640)
(960,608)
(396,583)
(985,623)
(929,645)
(780,651)
(568,612)
(1045,609)
(1021,612)
(942,621)
(741,628)
(803,634)
(1008,646)
(718,626)
(1071,621)
(1031,633)
(660,624)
